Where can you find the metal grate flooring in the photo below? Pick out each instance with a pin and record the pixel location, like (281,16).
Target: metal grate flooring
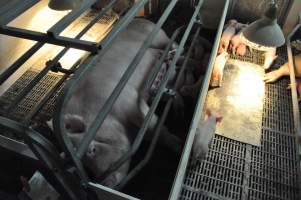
(31,100)
(235,170)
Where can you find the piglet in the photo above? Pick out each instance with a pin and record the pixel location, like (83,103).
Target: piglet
(227,35)
(269,57)
(236,41)
(241,49)
(218,69)
(204,135)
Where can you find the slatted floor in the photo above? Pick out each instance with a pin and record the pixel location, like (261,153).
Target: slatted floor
(235,170)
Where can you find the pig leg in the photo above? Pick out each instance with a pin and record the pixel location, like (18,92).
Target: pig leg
(241,50)
(166,138)
(275,75)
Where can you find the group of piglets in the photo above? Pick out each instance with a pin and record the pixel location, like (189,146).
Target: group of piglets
(232,41)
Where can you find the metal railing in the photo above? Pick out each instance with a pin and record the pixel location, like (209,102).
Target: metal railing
(42,148)
(177,185)
(296,108)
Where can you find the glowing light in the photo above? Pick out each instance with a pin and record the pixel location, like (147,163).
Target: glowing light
(249,88)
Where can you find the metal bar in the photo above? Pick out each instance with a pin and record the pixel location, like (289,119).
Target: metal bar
(38,107)
(296,110)
(122,23)
(168,105)
(108,193)
(42,37)
(17,147)
(19,8)
(70,17)
(58,126)
(43,149)
(157,98)
(150,79)
(176,188)
(50,65)
(18,63)
(28,88)
(121,84)
(20,129)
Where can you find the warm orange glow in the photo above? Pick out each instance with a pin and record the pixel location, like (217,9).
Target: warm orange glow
(40,18)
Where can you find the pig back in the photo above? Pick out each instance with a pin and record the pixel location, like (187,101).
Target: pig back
(100,80)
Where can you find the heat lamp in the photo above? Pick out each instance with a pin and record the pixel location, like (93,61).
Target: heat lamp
(64,4)
(265,33)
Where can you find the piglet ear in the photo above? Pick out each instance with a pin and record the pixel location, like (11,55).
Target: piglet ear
(219,119)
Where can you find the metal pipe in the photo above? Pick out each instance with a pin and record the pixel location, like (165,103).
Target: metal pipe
(296,110)
(121,84)
(19,62)
(157,98)
(168,105)
(70,17)
(177,185)
(43,37)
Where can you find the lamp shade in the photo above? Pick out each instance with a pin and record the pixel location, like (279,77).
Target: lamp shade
(265,31)
(64,4)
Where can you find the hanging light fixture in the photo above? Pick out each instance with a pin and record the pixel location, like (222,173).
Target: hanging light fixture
(64,4)
(265,33)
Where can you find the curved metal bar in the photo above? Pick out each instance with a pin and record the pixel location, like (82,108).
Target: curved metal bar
(58,125)
(168,105)
(144,126)
(177,185)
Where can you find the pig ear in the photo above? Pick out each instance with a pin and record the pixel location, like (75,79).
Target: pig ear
(219,119)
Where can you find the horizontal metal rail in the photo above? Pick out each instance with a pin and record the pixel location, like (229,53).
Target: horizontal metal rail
(19,8)
(296,109)
(167,107)
(43,37)
(50,65)
(66,94)
(66,21)
(55,29)
(177,185)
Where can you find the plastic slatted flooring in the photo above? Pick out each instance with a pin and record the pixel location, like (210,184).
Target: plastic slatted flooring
(235,170)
